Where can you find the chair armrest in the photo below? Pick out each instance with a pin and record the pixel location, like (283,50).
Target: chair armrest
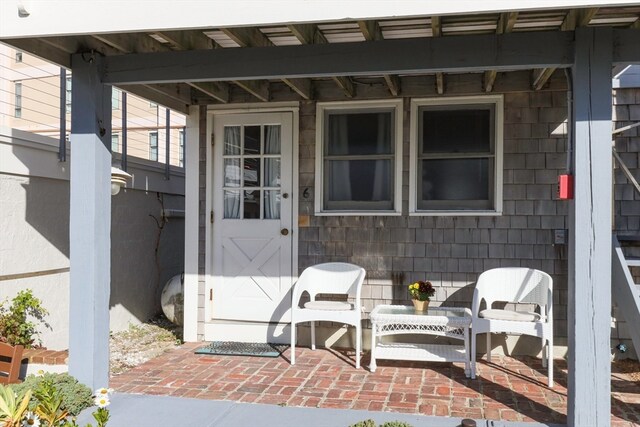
(475,305)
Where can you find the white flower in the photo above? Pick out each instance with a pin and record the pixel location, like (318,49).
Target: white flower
(101,401)
(31,420)
(103,392)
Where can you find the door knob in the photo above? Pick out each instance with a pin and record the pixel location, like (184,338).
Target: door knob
(285,195)
(284,231)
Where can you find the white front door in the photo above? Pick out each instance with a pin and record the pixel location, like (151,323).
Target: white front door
(252,221)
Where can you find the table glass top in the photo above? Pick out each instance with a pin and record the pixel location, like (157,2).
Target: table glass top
(431,311)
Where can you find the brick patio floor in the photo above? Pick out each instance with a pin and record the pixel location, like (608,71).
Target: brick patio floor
(507,389)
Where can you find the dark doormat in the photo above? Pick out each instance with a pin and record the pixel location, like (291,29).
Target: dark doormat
(231,348)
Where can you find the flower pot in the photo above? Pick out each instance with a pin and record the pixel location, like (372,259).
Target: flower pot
(420,305)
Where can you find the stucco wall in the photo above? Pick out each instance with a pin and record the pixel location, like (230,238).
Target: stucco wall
(34,234)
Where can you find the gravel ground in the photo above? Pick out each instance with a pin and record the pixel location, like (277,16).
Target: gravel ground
(143,342)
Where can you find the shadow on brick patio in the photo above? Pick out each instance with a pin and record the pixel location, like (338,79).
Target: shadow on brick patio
(509,389)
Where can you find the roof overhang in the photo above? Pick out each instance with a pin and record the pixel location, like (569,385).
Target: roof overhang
(29,18)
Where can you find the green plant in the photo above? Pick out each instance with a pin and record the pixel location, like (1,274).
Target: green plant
(365,423)
(421,291)
(15,325)
(49,407)
(13,406)
(75,396)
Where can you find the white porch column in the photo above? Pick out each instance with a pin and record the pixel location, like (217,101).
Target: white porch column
(191,224)
(90,223)
(589,382)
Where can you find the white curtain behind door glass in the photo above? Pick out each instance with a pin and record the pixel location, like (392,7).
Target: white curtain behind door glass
(340,181)
(272,172)
(232,198)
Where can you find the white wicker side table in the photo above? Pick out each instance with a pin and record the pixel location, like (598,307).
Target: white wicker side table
(452,322)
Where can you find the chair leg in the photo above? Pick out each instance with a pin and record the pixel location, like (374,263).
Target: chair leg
(488,346)
(313,335)
(358,345)
(473,353)
(293,343)
(545,350)
(550,359)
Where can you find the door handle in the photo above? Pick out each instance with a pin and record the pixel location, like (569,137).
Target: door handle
(284,231)
(285,195)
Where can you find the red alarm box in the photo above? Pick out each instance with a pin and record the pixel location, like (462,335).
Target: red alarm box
(565,187)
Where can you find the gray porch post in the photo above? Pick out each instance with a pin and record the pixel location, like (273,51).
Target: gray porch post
(589,382)
(90,223)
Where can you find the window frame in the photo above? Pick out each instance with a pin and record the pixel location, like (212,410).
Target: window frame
(181,139)
(17,99)
(322,111)
(115,137)
(116,94)
(67,99)
(151,147)
(464,102)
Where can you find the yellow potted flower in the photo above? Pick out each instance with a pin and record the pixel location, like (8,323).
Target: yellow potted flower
(421,293)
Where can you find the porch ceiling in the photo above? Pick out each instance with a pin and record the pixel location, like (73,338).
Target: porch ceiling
(224,90)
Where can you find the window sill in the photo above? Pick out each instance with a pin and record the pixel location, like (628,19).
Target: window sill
(358,213)
(455,213)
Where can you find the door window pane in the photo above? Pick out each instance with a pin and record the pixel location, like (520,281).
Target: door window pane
(251,204)
(272,139)
(251,172)
(271,204)
(252,140)
(271,172)
(232,172)
(232,204)
(232,140)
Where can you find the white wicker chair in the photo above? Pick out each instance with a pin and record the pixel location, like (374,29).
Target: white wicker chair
(514,285)
(328,278)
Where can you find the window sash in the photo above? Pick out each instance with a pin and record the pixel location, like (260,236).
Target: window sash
(18,100)
(359,205)
(479,204)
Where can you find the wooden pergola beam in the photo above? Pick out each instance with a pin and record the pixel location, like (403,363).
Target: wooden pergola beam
(575,18)
(196,40)
(436,31)
(170,95)
(506,22)
(510,52)
(310,34)
(253,37)
(372,32)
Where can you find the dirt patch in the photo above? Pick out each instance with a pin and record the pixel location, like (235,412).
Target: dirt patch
(141,343)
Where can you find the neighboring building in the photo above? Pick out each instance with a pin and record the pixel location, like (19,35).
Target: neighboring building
(30,101)
(34,183)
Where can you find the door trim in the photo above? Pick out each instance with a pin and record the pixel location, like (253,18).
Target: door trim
(212,112)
